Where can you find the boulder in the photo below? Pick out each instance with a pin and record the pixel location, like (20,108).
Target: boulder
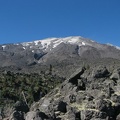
(62,107)
(105,106)
(100,72)
(117,108)
(17,115)
(36,115)
(73,113)
(86,115)
(115,98)
(102,105)
(118,117)
(75,76)
(115,76)
(32,115)
(81,85)
(21,106)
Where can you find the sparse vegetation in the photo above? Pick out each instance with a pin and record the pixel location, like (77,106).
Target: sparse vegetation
(33,85)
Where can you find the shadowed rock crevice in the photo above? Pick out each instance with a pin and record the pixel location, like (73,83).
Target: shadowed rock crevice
(74,79)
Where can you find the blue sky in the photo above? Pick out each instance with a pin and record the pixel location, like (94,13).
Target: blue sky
(28,20)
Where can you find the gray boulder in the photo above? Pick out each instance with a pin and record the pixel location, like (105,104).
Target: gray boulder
(17,115)
(36,115)
(118,117)
(115,75)
(21,106)
(100,72)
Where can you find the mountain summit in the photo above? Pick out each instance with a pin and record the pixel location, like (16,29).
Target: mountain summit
(54,51)
(50,43)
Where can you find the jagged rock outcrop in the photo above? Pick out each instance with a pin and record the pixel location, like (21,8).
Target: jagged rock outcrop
(89,94)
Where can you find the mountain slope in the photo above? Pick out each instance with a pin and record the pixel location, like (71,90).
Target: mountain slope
(39,54)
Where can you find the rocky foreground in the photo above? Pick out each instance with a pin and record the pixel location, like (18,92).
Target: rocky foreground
(89,94)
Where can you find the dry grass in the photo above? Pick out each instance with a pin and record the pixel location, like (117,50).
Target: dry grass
(83,107)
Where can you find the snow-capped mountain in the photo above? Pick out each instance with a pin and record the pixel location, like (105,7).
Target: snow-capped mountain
(54,42)
(54,51)
(51,43)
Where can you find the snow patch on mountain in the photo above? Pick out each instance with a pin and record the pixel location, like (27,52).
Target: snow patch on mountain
(54,42)
(24,48)
(51,43)
(113,46)
(27,43)
(33,51)
(117,47)
(83,43)
(4,46)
